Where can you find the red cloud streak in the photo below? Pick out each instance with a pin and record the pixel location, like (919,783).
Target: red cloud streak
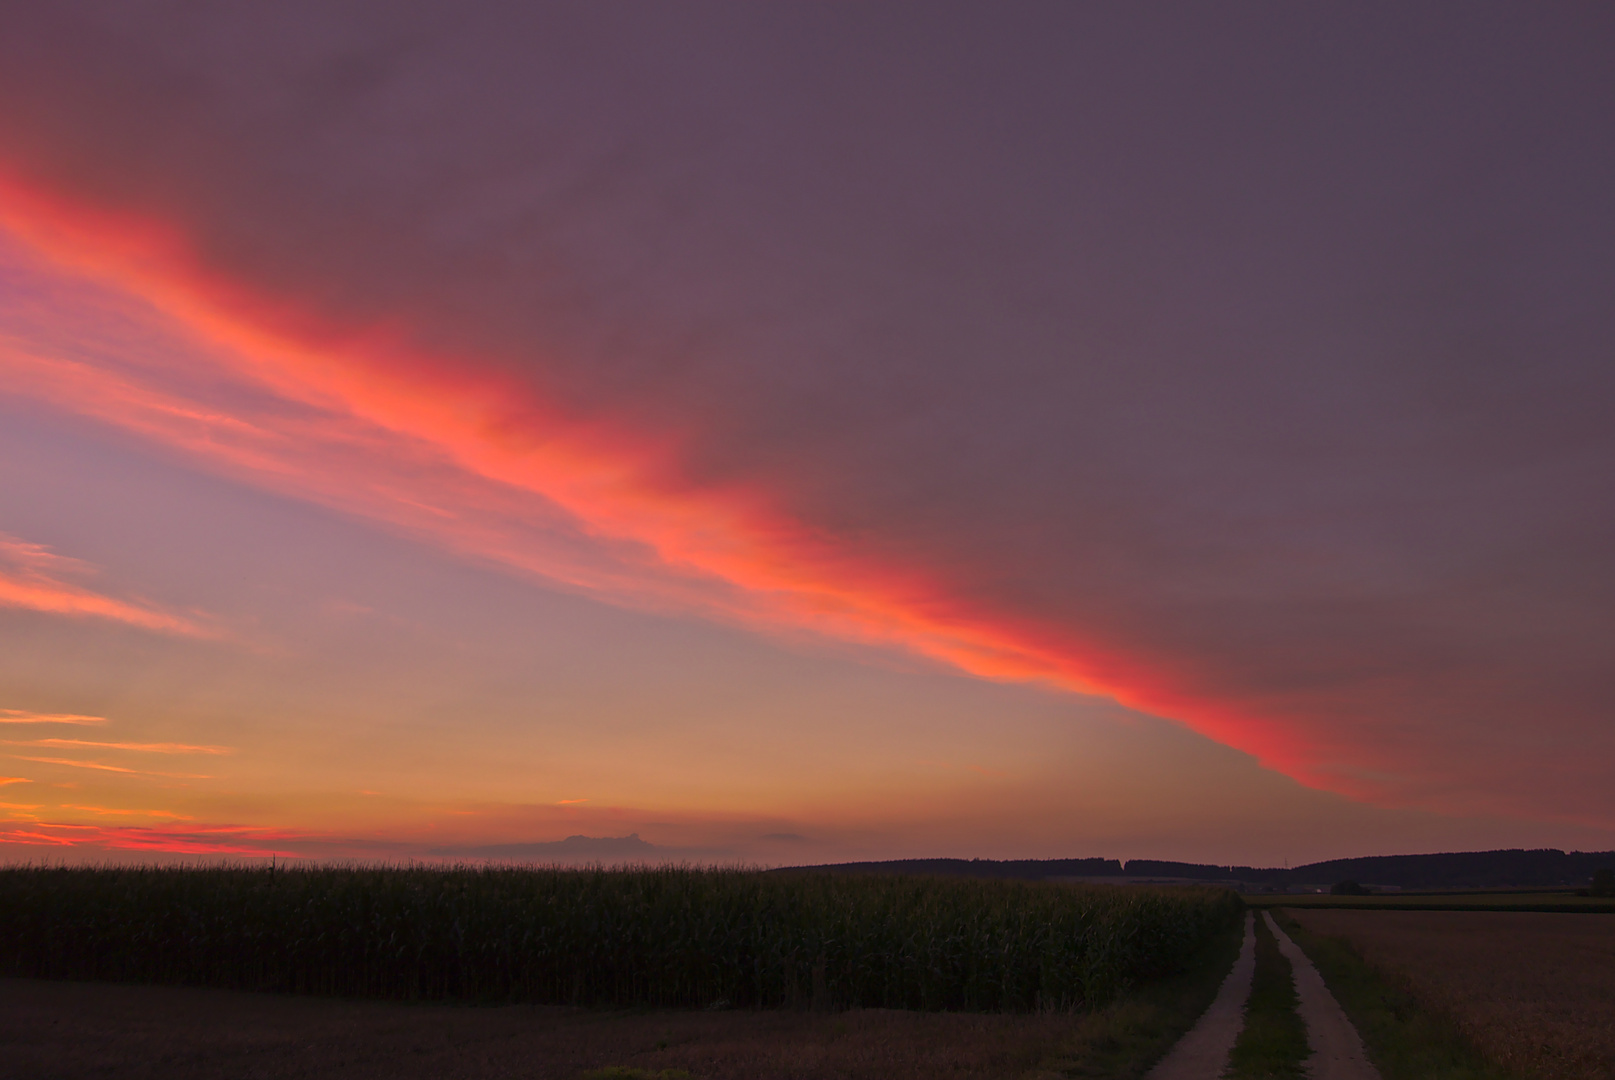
(730,551)
(759,565)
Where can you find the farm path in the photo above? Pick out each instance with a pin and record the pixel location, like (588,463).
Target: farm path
(1202,1054)
(1337,1049)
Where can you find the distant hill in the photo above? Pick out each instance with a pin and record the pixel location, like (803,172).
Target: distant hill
(1542,867)
(1464,869)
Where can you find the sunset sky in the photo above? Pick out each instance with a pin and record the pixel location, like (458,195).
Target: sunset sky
(792,432)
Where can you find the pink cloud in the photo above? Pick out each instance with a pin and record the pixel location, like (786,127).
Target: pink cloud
(34,578)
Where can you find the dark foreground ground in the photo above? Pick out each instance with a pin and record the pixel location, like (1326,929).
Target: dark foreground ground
(76,1031)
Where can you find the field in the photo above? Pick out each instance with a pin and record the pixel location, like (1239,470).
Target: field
(1533,991)
(1502,900)
(60,1030)
(668,937)
(91,1031)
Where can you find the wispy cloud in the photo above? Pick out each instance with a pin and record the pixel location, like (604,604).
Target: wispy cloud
(34,578)
(144,748)
(154,839)
(108,811)
(33,838)
(4,780)
(102,766)
(22,716)
(21,812)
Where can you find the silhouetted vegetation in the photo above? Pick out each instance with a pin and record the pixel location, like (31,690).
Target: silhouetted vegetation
(1349,888)
(1543,868)
(1017,869)
(667,936)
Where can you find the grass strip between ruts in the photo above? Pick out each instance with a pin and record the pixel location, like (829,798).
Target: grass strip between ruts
(1273,1044)
(1124,1040)
(1405,1039)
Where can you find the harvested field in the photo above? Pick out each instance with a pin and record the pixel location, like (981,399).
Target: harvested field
(80,1031)
(1473,901)
(1534,991)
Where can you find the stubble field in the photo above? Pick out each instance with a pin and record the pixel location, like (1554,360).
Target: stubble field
(1534,991)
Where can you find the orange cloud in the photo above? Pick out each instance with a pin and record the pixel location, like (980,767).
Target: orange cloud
(145,748)
(102,766)
(32,838)
(31,578)
(110,812)
(158,839)
(4,780)
(19,716)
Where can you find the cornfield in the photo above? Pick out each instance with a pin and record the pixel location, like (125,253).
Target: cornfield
(675,936)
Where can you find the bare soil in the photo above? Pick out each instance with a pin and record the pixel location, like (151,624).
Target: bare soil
(77,1031)
(1535,991)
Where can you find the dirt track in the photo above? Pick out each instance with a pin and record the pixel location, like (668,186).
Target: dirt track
(1337,1048)
(1203,1052)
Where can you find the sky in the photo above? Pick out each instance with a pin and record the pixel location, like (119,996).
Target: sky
(807,431)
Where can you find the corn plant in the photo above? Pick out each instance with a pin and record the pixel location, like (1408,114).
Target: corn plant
(664,936)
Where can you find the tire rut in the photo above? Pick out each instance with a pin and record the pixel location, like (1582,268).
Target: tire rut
(1202,1054)
(1337,1049)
